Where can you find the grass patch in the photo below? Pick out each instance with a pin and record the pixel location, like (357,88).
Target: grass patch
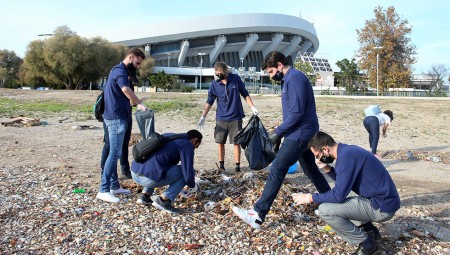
(20,107)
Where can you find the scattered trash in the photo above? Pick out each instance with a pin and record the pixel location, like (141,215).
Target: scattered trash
(210,205)
(21,122)
(79,191)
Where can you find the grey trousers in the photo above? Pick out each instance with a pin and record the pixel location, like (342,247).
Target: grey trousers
(345,217)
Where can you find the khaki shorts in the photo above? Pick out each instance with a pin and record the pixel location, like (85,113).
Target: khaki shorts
(226,128)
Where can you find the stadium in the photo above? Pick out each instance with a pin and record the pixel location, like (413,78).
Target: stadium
(190,48)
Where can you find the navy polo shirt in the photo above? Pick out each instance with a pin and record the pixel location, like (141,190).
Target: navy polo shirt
(229,105)
(300,121)
(117,104)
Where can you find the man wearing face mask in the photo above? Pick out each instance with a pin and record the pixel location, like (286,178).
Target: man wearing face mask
(299,124)
(227,89)
(359,171)
(116,117)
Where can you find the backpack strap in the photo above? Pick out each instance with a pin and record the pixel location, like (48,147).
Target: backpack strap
(175,136)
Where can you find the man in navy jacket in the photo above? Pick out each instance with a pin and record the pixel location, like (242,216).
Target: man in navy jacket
(161,169)
(299,124)
(359,171)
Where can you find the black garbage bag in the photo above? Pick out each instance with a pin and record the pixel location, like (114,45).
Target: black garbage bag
(146,122)
(256,144)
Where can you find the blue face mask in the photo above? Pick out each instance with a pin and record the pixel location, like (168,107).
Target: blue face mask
(278,76)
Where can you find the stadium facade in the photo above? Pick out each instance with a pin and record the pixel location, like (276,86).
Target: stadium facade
(190,48)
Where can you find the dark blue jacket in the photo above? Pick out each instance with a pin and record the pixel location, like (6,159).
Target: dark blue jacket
(156,166)
(117,104)
(300,121)
(360,171)
(229,106)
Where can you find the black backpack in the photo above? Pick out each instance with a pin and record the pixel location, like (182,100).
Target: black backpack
(143,149)
(99,107)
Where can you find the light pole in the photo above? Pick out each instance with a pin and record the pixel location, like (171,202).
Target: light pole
(201,54)
(376,48)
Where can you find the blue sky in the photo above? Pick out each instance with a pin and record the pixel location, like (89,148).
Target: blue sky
(335,21)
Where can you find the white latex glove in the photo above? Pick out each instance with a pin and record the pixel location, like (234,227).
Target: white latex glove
(301,198)
(141,107)
(320,164)
(201,122)
(254,110)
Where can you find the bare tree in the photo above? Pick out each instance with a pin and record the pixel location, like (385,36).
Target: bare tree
(437,74)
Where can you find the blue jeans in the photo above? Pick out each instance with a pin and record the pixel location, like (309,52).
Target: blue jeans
(290,152)
(124,163)
(174,178)
(346,216)
(116,133)
(373,128)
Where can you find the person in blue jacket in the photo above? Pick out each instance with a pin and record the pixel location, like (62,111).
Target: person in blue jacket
(359,171)
(300,122)
(161,169)
(116,117)
(227,88)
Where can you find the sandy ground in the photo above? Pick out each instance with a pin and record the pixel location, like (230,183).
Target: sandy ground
(421,126)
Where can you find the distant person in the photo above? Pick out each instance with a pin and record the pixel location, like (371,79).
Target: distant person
(116,117)
(372,125)
(227,89)
(300,123)
(359,171)
(161,169)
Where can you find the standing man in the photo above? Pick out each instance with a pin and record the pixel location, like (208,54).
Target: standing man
(124,163)
(117,115)
(226,88)
(161,169)
(359,171)
(299,125)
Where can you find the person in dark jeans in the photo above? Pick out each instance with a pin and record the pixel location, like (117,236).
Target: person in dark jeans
(124,162)
(372,125)
(300,123)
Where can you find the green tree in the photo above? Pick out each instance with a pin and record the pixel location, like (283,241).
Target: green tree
(349,76)
(396,57)
(66,58)
(307,69)
(9,69)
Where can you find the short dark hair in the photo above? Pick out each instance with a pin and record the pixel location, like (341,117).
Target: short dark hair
(321,139)
(390,114)
(221,66)
(273,58)
(136,52)
(193,133)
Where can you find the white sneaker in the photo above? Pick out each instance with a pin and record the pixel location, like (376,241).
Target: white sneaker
(120,191)
(250,217)
(108,197)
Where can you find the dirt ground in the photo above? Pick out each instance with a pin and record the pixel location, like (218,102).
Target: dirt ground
(67,156)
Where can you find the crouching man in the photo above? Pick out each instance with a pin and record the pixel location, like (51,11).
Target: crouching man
(359,171)
(161,169)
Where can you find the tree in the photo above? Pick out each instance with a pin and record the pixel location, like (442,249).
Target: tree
(349,76)
(9,69)
(437,74)
(146,69)
(66,58)
(307,69)
(396,57)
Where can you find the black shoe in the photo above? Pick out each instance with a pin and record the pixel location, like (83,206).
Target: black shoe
(126,175)
(164,205)
(376,250)
(144,199)
(375,234)
(237,168)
